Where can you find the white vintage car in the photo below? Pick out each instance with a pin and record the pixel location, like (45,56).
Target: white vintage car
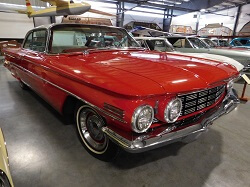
(191,44)
(5,176)
(163,45)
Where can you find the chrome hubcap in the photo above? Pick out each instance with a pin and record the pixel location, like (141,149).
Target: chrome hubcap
(90,125)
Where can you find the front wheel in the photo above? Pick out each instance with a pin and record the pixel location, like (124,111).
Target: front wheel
(89,127)
(23,85)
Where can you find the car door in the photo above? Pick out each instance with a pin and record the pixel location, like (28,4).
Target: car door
(33,58)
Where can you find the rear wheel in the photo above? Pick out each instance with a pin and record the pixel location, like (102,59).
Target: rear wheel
(89,127)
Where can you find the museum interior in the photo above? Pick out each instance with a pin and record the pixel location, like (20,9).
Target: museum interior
(125,93)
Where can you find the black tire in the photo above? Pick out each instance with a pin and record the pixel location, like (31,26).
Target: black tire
(23,85)
(89,124)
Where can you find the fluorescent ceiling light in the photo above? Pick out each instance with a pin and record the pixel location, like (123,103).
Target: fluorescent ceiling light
(143,14)
(160,3)
(148,10)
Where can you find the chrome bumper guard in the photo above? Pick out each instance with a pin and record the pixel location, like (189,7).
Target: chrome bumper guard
(143,143)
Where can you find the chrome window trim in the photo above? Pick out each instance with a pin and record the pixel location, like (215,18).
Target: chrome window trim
(79,98)
(34,30)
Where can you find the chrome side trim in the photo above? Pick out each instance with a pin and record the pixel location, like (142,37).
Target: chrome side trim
(167,136)
(10,56)
(79,98)
(114,110)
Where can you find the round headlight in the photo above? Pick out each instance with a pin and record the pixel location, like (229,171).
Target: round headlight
(142,118)
(173,110)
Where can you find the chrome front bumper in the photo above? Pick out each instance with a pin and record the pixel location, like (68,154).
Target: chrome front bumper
(144,143)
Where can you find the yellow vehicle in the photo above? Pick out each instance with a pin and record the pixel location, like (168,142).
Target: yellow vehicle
(5,177)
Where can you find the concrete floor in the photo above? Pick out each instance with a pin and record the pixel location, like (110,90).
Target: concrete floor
(44,151)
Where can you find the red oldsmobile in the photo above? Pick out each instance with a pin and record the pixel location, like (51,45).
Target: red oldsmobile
(118,94)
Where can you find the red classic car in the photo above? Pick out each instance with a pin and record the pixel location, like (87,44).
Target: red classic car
(118,94)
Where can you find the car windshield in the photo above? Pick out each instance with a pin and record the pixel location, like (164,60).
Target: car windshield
(83,37)
(224,43)
(197,43)
(210,43)
(160,45)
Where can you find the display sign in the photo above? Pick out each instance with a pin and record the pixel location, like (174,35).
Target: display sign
(215,30)
(87,20)
(245,77)
(181,29)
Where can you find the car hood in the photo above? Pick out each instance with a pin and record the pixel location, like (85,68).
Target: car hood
(141,73)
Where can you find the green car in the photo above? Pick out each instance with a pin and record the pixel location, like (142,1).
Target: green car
(190,44)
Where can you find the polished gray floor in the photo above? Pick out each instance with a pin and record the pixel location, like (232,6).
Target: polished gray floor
(44,151)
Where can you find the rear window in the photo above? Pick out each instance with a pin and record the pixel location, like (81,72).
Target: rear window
(243,41)
(179,42)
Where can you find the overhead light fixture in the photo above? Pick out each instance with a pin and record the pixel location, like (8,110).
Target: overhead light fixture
(203,10)
(177,3)
(161,3)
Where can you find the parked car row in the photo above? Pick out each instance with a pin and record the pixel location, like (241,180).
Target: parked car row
(119,94)
(163,45)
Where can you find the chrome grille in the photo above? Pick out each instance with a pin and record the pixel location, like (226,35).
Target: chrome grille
(193,102)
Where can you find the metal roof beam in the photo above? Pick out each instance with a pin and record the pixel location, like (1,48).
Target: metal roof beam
(146,3)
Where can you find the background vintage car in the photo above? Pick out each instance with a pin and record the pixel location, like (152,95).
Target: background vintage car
(241,42)
(5,176)
(119,94)
(221,44)
(191,44)
(162,45)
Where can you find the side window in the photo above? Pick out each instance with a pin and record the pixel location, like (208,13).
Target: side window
(143,44)
(243,41)
(160,46)
(178,43)
(36,41)
(182,43)
(28,42)
(39,40)
(187,44)
(139,42)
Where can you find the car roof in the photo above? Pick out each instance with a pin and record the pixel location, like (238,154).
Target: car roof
(49,26)
(150,38)
(181,36)
(241,38)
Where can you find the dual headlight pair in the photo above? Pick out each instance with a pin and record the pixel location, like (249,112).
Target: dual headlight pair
(143,116)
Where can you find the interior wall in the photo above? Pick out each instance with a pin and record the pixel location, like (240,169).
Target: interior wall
(13,25)
(128,15)
(227,17)
(38,21)
(104,7)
